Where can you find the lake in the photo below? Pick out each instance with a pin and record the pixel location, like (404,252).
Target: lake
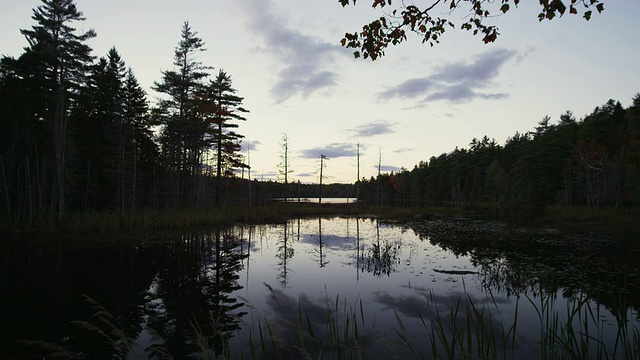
(323,287)
(315,200)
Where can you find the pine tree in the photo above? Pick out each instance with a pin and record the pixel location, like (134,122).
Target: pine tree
(183,129)
(136,115)
(220,106)
(59,56)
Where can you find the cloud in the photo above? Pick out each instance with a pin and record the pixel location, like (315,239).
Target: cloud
(482,70)
(530,50)
(331,151)
(305,68)
(388,168)
(456,82)
(374,128)
(307,175)
(259,174)
(462,93)
(251,145)
(403,150)
(409,89)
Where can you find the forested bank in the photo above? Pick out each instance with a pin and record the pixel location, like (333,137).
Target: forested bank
(593,161)
(79,135)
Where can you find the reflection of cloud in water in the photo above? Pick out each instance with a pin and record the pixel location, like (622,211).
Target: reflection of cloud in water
(411,306)
(427,304)
(333,242)
(286,306)
(315,316)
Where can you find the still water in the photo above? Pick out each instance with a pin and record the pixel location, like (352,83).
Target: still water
(356,286)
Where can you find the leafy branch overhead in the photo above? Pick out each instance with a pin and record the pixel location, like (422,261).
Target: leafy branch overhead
(392,28)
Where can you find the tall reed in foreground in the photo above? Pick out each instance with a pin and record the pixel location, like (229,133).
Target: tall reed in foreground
(465,329)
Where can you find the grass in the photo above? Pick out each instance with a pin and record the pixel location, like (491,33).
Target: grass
(189,218)
(572,219)
(461,330)
(587,219)
(468,330)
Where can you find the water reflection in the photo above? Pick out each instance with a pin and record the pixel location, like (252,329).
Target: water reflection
(320,251)
(382,257)
(177,297)
(214,291)
(515,261)
(191,293)
(284,253)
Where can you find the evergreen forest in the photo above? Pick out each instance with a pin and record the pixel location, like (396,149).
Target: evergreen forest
(78,134)
(594,161)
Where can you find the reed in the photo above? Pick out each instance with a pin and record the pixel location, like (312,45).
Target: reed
(162,219)
(584,218)
(171,218)
(462,330)
(468,330)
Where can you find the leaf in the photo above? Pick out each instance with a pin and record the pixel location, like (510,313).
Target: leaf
(504,8)
(587,15)
(356,54)
(600,8)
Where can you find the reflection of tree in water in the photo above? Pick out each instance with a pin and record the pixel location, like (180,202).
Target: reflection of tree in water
(193,292)
(321,251)
(284,253)
(47,281)
(359,250)
(382,257)
(516,261)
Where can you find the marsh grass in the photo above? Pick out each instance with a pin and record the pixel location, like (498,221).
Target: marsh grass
(584,218)
(340,335)
(461,330)
(162,219)
(188,218)
(581,332)
(479,336)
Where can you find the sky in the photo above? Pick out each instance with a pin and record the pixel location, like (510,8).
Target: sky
(285,59)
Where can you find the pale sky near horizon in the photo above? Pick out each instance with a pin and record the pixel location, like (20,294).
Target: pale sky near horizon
(418,101)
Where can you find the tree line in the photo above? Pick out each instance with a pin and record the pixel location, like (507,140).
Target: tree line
(78,133)
(594,161)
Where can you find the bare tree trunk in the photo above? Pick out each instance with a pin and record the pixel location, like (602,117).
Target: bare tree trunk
(59,140)
(322,157)
(218,165)
(6,188)
(39,182)
(378,182)
(29,192)
(86,188)
(358,175)
(135,170)
(121,166)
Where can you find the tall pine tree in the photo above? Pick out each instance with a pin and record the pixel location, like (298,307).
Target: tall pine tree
(220,106)
(60,57)
(182,132)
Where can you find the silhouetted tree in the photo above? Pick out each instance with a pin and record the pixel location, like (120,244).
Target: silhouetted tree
(283,166)
(58,57)
(183,129)
(220,106)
